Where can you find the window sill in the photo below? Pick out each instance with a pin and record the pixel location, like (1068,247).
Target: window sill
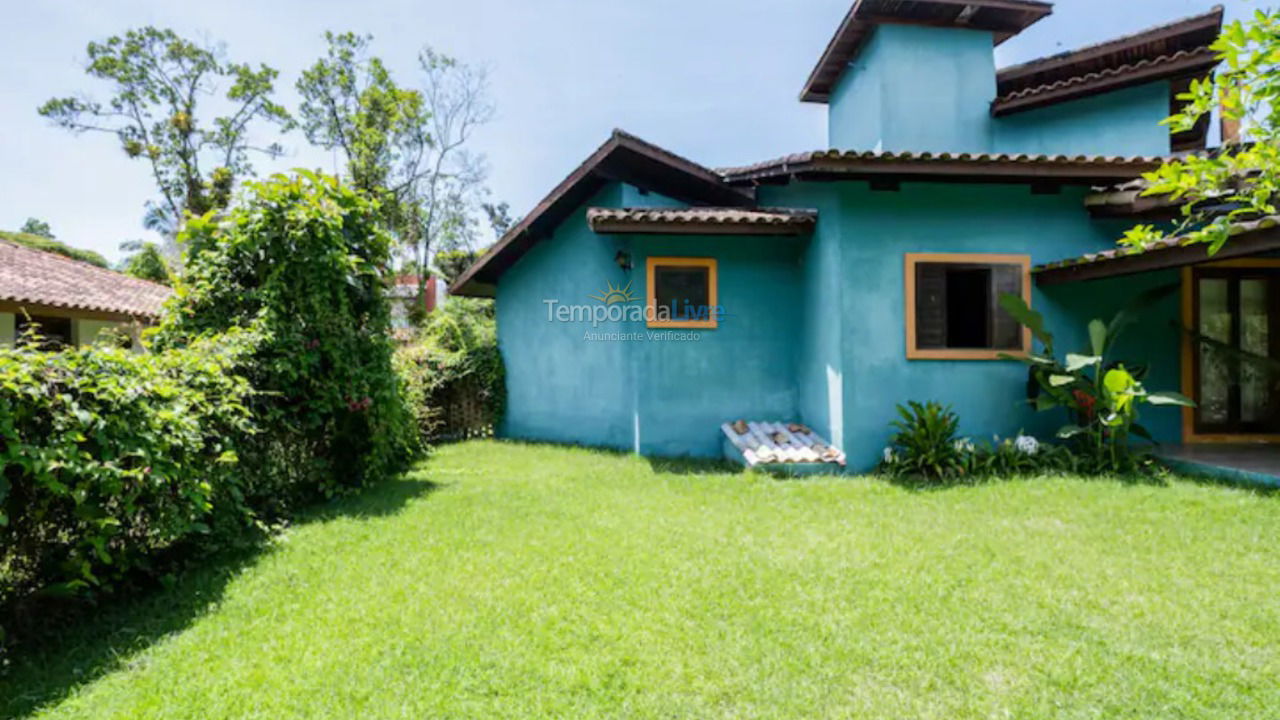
(963,354)
(684,325)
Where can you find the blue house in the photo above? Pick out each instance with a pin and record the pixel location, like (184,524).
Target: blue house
(647,300)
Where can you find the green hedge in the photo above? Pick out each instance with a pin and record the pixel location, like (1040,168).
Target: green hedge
(270,384)
(109,457)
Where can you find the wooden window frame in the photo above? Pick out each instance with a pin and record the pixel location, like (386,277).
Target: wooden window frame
(1188,374)
(910,260)
(651,292)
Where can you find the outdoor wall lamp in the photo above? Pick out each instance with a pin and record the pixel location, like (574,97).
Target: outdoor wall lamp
(623,258)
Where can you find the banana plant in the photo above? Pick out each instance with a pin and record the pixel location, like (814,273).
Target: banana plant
(1101,397)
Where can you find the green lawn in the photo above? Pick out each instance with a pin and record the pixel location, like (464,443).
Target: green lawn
(514,581)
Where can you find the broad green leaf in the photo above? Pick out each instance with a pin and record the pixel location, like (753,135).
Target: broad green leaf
(1032,320)
(1098,336)
(1070,431)
(1118,381)
(1079,362)
(1060,380)
(1170,398)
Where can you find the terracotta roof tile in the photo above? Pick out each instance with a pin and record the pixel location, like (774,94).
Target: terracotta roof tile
(1249,238)
(42,278)
(1162,60)
(1189,33)
(722,219)
(924,164)
(1163,67)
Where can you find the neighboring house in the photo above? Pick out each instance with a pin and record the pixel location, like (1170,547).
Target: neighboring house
(73,302)
(404,294)
(844,281)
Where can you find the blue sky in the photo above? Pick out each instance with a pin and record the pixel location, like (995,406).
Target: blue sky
(715,80)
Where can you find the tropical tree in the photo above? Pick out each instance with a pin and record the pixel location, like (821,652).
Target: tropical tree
(158,81)
(407,147)
(1242,179)
(34,226)
(146,261)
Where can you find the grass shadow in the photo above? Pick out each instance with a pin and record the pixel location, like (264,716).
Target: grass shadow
(924,485)
(75,643)
(693,466)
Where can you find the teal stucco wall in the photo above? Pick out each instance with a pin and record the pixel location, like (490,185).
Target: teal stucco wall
(1125,122)
(560,388)
(853,362)
(917,89)
(624,385)
(930,89)
(814,328)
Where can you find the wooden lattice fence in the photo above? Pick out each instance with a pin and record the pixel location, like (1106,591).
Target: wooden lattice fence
(465,411)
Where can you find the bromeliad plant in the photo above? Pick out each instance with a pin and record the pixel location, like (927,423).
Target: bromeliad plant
(1102,397)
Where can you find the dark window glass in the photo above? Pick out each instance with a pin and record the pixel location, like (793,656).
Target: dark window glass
(1237,313)
(958,306)
(55,332)
(686,290)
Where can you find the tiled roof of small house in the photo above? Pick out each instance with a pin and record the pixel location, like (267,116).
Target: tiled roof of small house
(1247,238)
(969,167)
(702,220)
(38,278)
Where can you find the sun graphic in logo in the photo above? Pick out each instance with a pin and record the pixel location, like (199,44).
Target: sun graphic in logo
(613,295)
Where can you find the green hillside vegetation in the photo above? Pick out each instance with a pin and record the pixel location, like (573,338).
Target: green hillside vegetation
(54,246)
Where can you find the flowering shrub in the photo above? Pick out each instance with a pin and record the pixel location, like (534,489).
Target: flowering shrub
(299,263)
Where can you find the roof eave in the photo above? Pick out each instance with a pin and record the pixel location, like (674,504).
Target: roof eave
(1247,240)
(1190,64)
(857,25)
(1210,21)
(623,157)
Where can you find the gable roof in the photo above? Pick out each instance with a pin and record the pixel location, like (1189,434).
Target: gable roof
(623,157)
(1004,18)
(32,277)
(943,167)
(1174,51)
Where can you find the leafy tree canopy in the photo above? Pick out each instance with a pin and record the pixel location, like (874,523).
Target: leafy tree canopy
(35,226)
(146,261)
(40,242)
(1241,179)
(158,80)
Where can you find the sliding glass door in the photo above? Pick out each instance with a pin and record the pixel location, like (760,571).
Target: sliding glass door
(1236,314)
